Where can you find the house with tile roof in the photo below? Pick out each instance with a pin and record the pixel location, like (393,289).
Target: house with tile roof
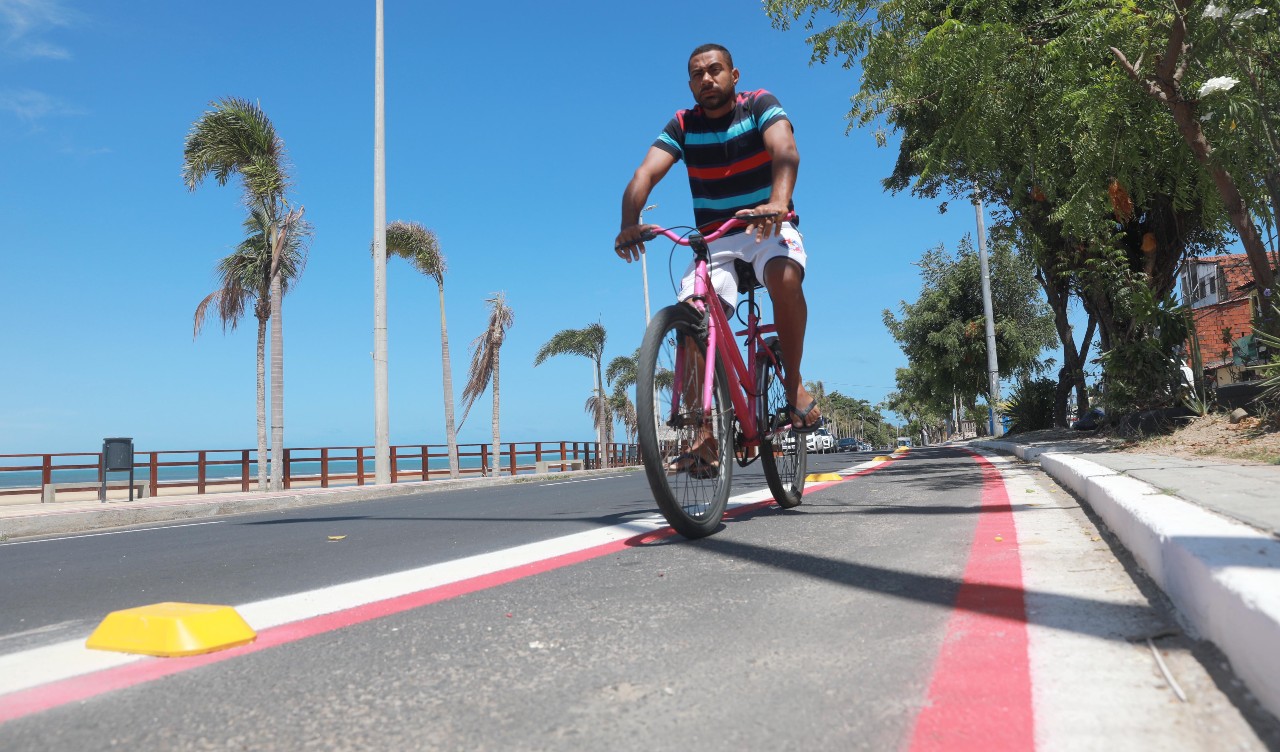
(1224,301)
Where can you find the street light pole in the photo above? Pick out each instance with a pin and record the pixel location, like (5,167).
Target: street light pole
(381,433)
(993,368)
(644,268)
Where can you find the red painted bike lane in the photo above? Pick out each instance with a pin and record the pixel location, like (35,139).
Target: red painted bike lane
(980,694)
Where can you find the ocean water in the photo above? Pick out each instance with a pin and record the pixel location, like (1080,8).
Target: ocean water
(299,468)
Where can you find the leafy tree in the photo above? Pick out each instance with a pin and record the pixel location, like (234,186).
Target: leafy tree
(622,374)
(1195,43)
(1021,102)
(943,333)
(236,137)
(587,342)
(245,278)
(917,402)
(485,354)
(420,247)
(854,417)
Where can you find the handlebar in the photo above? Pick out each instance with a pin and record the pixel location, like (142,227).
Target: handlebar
(729,224)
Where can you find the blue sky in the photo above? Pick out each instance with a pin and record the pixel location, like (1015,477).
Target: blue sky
(511,132)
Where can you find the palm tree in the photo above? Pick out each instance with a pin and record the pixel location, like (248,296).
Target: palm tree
(818,392)
(623,410)
(236,137)
(420,247)
(622,374)
(589,343)
(245,278)
(485,352)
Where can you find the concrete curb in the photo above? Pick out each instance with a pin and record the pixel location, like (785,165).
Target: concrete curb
(1222,575)
(158,509)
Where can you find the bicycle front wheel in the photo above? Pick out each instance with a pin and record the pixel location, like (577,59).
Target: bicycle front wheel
(784,469)
(687,450)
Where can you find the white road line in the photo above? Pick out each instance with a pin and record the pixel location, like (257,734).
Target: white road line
(64,660)
(114,532)
(40,630)
(584,480)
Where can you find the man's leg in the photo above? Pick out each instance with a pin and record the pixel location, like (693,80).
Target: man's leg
(703,452)
(782,278)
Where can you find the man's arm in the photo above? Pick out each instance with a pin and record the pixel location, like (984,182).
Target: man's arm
(780,142)
(654,167)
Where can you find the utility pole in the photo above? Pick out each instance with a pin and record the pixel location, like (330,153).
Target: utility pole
(993,368)
(381,432)
(644,271)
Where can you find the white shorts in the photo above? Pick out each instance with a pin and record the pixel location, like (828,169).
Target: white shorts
(788,244)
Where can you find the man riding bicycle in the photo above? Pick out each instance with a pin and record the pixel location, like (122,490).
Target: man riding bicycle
(741,155)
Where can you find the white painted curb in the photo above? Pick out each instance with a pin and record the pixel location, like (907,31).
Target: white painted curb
(1223,576)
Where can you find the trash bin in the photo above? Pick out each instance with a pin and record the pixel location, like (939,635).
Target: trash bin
(117,456)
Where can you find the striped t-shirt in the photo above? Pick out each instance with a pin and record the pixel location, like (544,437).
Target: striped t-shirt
(729,168)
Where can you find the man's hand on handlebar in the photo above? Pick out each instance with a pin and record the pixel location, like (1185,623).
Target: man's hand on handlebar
(630,241)
(767,219)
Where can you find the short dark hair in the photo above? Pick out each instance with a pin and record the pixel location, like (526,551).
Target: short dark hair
(712,47)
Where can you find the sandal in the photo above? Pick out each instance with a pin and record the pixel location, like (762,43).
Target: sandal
(805,426)
(696,465)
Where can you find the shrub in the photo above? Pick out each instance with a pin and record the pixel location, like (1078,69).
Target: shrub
(1141,372)
(1271,395)
(1031,406)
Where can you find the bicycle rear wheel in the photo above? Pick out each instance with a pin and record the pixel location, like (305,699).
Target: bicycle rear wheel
(784,471)
(687,452)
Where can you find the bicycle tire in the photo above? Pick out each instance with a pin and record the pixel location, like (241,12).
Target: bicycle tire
(786,474)
(693,500)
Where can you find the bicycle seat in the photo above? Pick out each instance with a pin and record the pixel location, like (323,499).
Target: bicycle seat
(746,277)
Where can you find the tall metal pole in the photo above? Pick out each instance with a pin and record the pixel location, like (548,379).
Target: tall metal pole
(381,440)
(993,368)
(644,269)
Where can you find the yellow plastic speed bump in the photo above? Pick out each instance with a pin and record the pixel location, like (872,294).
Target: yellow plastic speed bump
(882,458)
(171,629)
(822,477)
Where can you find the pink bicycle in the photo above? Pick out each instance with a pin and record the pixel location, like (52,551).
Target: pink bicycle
(702,410)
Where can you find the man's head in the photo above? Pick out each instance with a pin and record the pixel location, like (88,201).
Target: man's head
(713,79)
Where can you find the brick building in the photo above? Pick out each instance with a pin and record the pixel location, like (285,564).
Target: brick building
(1224,301)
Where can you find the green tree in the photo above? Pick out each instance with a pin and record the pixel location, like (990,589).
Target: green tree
(587,342)
(1022,102)
(1198,44)
(236,137)
(420,247)
(853,417)
(244,279)
(917,401)
(943,333)
(622,374)
(486,351)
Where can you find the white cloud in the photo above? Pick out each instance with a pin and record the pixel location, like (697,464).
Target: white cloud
(24,22)
(31,105)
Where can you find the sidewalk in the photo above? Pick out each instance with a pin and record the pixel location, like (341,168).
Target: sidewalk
(1206,531)
(80,517)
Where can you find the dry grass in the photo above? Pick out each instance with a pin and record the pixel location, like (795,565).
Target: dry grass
(1253,440)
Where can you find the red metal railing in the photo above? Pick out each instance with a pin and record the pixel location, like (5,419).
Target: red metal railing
(328,466)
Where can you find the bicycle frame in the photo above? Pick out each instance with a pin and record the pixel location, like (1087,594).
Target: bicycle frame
(742,389)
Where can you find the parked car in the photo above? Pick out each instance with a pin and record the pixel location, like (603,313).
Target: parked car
(821,441)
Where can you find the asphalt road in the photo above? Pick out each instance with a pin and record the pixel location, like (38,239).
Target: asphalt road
(824,627)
